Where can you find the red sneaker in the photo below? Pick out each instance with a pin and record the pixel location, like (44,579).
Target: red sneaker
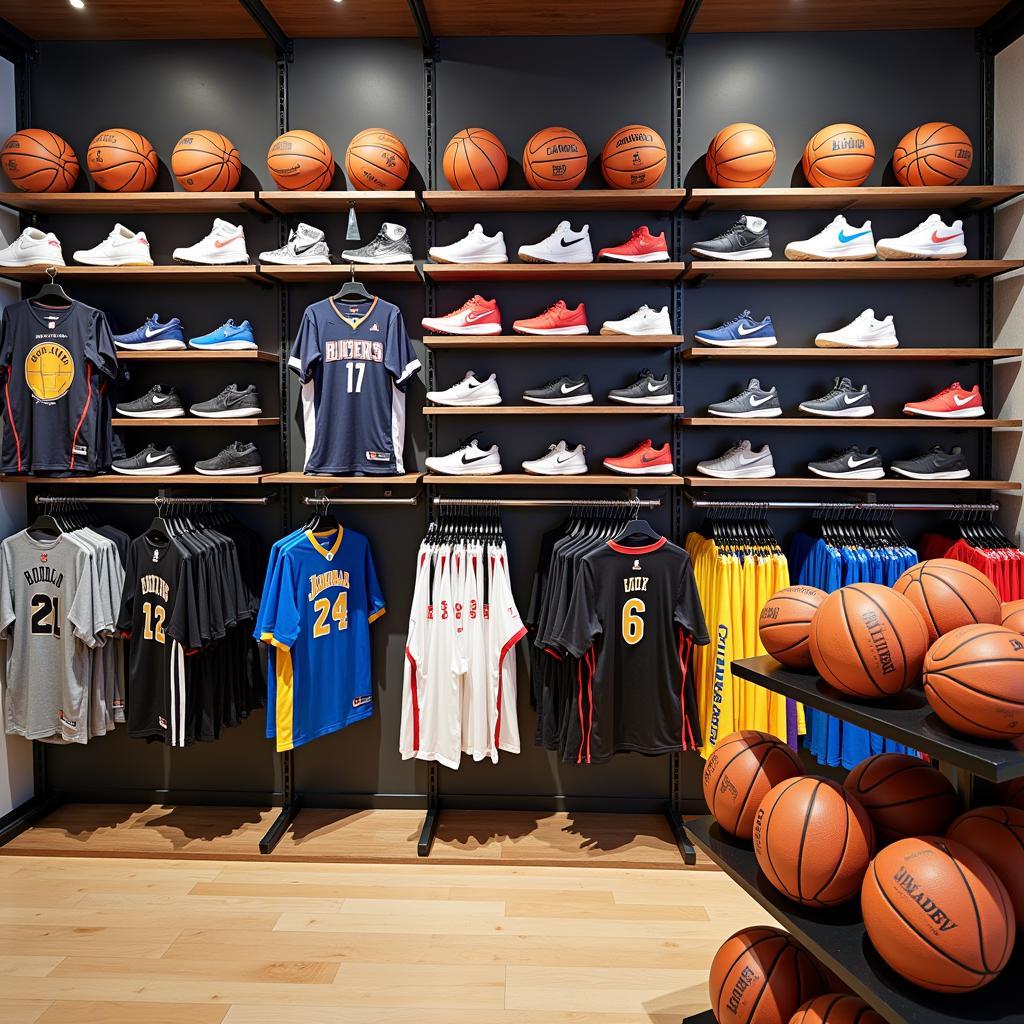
(557,319)
(952,403)
(644,460)
(476,316)
(642,247)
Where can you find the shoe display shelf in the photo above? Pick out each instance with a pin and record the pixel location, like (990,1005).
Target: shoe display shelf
(591,479)
(653,200)
(442,272)
(823,422)
(549,341)
(846,270)
(174,273)
(119,479)
(104,203)
(196,355)
(118,422)
(942,355)
(553,410)
(287,202)
(823,483)
(335,273)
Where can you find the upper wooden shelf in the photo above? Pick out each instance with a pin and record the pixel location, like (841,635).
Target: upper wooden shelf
(836,421)
(553,271)
(339,271)
(118,479)
(339,201)
(337,481)
(174,272)
(580,341)
(655,200)
(888,483)
(953,197)
(846,270)
(196,355)
(103,203)
(699,352)
(532,480)
(195,421)
(552,410)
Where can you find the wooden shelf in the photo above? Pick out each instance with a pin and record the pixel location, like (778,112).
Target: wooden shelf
(118,480)
(887,483)
(339,202)
(174,272)
(699,352)
(530,480)
(104,203)
(340,271)
(196,421)
(955,197)
(442,272)
(847,270)
(552,410)
(581,341)
(867,421)
(656,200)
(334,481)
(195,355)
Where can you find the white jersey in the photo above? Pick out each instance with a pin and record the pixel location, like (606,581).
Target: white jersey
(505,630)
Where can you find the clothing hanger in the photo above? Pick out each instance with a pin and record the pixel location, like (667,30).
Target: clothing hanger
(637,528)
(52,290)
(353,290)
(45,523)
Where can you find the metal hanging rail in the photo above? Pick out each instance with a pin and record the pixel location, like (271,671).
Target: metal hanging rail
(848,505)
(636,503)
(324,500)
(158,499)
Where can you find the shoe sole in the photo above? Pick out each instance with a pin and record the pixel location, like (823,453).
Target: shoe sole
(887,252)
(158,471)
(491,400)
(543,331)
(477,259)
(750,254)
(738,474)
(228,414)
(314,261)
(150,346)
(374,261)
(156,414)
(32,263)
(751,415)
(854,474)
(613,331)
(957,414)
(653,400)
(651,471)
(651,257)
(527,258)
(953,474)
(798,256)
(762,342)
(856,412)
(112,263)
(470,331)
(224,346)
(468,471)
(557,472)
(211,263)
(239,471)
(569,400)
(821,342)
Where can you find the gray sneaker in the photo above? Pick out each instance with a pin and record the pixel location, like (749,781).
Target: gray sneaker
(752,401)
(158,402)
(645,390)
(231,402)
(843,400)
(237,459)
(151,461)
(305,248)
(740,462)
(390,246)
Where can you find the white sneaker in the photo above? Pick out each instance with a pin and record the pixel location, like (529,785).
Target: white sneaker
(121,248)
(469,458)
(930,240)
(864,332)
(305,248)
(563,245)
(476,315)
(644,321)
(33,248)
(740,462)
(469,391)
(224,244)
(559,460)
(476,247)
(836,241)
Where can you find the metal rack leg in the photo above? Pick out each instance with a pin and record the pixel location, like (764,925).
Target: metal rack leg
(290,805)
(675,822)
(429,830)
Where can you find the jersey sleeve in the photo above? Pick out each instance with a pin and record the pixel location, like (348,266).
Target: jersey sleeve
(127,610)
(82,612)
(582,625)
(400,358)
(306,352)
(287,618)
(187,622)
(7,614)
(101,351)
(6,343)
(374,596)
(688,610)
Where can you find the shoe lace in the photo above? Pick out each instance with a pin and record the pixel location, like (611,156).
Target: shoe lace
(556,308)
(472,301)
(955,386)
(745,315)
(465,443)
(639,448)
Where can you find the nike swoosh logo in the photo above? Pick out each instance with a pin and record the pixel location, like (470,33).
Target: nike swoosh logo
(159,330)
(854,463)
(852,401)
(160,399)
(471,318)
(572,241)
(569,390)
(760,401)
(155,458)
(657,458)
(744,333)
(843,237)
(299,251)
(963,401)
(947,238)
(474,384)
(654,387)
(467,462)
(227,241)
(562,462)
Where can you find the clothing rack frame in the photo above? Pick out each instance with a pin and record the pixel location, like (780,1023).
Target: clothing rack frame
(847,506)
(159,500)
(609,503)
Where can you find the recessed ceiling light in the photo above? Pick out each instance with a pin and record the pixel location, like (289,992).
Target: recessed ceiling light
(77,4)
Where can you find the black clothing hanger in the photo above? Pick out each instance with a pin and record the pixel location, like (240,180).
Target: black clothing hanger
(353,290)
(636,528)
(52,290)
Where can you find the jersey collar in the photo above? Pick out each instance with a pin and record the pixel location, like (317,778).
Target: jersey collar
(645,549)
(329,555)
(354,321)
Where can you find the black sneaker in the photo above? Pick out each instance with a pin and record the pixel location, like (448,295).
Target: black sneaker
(850,463)
(562,391)
(753,402)
(157,403)
(390,246)
(645,390)
(936,464)
(237,459)
(151,461)
(843,400)
(231,402)
(747,239)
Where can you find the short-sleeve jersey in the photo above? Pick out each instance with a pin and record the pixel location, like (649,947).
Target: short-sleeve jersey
(354,360)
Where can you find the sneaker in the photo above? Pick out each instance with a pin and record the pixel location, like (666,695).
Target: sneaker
(741,331)
(153,336)
(561,391)
(305,248)
(850,462)
(229,336)
(842,400)
(863,332)
(121,248)
(468,459)
(476,247)
(641,247)
(740,462)
(747,239)
(469,391)
(559,460)
(932,239)
(223,245)
(936,464)
(645,321)
(645,390)
(643,460)
(753,401)
(952,403)
(157,402)
(836,241)
(33,248)
(151,461)
(238,459)
(390,246)
(563,245)
(475,316)
(556,319)
(232,402)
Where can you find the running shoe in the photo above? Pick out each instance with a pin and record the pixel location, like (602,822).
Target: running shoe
(238,459)
(952,403)
(843,400)
(390,246)
(469,459)
(153,336)
(556,319)
(863,332)
(838,240)
(741,331)
(644,322)
(932,239)
(753,402)
(563,245)
(225,244)
(559,460)
(936,464)
(305,248)
(640,247)
(561,391)
(645,390)
(747,239)
(151,461)
(475,316)
(121,248)
(158,402)
(476,247)
(33,248)
(229,336)
(643,460)
(740,462)
(232,403)
(469,391)
(851,463)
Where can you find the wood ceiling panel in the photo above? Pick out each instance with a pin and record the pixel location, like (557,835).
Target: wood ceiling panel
(564,18)
(310,19)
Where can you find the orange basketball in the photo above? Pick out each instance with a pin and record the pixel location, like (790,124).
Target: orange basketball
(761,976)
(301,161)
(996,834)
(36,160)
(206,161)
(739,773)
(785,624)
(741,155)
(836,1008)
(904,796)
(839,156)
(938,914)
(376,161)
(1011,793)
(120,160)
(949,594)
(974,681)
(474,161)
(554,158)
(936,153)
(1012,616)
(868,641)
(634,157)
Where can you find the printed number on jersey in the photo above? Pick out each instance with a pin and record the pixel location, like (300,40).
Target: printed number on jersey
(153,627)
(632,621)
(356,372)
(46,615)
(324,609)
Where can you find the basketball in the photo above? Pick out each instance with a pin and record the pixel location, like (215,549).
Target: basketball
(741,770)
(839,156)
(1011,793)
(301,161)
(813,841)
(475,161)
(836,1008)
(36,160)
(868,641)
(785,625)
(904,796)
(49,371)
(937,914)
(120,160)
(741,155)
(554,158)
(376,161)
(949,594)
(1012,616)
(205,161)
(761,976)
(974,681)
(996,834)
(634,157)
(936,153)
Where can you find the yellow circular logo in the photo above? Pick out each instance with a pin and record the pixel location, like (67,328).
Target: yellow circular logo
(49,371)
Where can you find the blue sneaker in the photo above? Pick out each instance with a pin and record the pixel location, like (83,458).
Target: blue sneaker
(153,335)
(742,330)
(228,336)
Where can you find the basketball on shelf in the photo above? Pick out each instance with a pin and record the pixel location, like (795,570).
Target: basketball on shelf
(974,681)
(376,161)
(936,153)
(950,594)
(475,161)
(36,160)
(1011,793)
(121,160)
(868,641)
(996,834)
(301,161)
(1012,616)
(634,157)
(741,770)
(839,156)
(206,161)
(836,1008)
(938,914)
(554,158)
(741,155)
(785,625)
